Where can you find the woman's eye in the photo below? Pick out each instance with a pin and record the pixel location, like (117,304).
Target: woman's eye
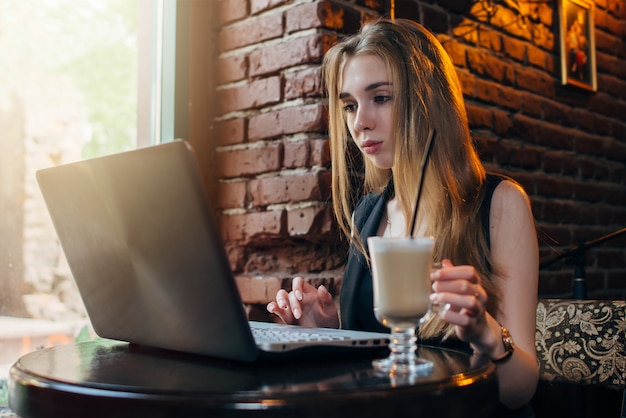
(381,99)
(349,107)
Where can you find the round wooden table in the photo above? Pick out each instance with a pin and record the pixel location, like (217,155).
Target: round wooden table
(105,378)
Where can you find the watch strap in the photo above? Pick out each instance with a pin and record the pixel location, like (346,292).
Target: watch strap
(509,347)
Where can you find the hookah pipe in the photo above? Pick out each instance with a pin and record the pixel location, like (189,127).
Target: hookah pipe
(577,254)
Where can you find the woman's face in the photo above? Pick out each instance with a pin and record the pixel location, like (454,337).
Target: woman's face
(367,98)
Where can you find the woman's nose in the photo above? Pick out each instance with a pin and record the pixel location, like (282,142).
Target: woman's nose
(363,120)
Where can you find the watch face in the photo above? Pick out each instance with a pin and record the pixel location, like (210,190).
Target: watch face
(507,340)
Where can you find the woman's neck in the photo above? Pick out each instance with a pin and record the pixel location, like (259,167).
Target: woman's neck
(393,223)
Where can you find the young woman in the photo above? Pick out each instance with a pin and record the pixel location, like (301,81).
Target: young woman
(388,86)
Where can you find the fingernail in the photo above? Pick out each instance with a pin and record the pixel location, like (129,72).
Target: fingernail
(298,295)
(281,303)
(296,313)
(433,297)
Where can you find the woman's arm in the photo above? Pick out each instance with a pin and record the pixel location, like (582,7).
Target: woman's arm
(514,254)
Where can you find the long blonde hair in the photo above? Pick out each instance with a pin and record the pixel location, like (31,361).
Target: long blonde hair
(427,96)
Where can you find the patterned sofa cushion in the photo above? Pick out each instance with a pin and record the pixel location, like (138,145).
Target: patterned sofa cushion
(582,341)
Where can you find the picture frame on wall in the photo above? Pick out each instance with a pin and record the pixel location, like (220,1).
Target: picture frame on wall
(578,47)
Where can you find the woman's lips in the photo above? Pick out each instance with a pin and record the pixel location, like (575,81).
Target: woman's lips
(371,147)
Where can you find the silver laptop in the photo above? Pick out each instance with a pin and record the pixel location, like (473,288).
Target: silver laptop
(145,251)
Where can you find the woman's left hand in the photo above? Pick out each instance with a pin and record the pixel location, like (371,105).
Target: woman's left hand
(459,289)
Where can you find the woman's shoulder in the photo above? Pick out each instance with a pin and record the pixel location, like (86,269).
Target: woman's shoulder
(367,202)
(363,209)
(509,190)
(510,204)
(505,188)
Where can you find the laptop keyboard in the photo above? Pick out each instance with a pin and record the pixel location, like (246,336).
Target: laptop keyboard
(268,335)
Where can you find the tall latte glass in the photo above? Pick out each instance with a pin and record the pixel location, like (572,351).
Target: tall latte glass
(402,286)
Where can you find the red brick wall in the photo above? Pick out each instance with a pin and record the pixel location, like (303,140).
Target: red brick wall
(566,146)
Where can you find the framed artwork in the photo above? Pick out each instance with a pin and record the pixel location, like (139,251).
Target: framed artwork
(578,47)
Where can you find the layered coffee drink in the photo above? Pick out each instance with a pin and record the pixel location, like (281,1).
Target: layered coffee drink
(401,279)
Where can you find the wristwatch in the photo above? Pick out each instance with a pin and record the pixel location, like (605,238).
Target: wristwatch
(507,341)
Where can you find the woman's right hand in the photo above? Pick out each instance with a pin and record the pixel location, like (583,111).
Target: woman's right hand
(305,305)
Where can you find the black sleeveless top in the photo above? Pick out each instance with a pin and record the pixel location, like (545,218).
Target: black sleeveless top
(356,298)
(357,305)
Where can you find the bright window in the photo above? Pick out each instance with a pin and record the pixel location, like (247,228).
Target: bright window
(68,91)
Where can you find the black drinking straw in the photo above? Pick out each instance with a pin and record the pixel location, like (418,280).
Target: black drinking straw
(429,146)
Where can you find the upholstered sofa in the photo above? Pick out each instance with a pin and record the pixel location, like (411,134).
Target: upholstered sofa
(582,342)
